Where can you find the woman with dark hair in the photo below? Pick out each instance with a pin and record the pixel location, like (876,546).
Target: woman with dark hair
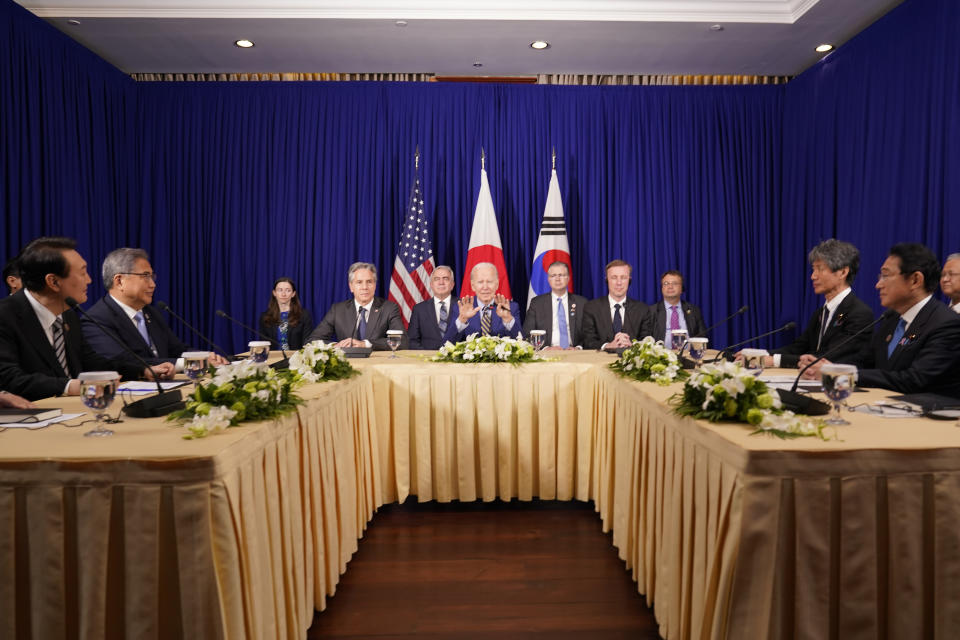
(285,321)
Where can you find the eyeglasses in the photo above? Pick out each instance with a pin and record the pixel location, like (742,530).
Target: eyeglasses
(887,276)
(949,274)
(146,275)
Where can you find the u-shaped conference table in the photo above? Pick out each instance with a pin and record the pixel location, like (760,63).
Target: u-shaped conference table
(244,534)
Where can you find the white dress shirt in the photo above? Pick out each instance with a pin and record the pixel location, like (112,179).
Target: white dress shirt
(436,308)
(667,334)
(831,305)
(911,314)
(369,308)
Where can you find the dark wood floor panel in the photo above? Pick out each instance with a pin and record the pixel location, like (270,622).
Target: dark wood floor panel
(526,570)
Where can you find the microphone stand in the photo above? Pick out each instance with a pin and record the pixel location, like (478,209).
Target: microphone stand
(159,405)
(786,327)
(163,306)
(281,364)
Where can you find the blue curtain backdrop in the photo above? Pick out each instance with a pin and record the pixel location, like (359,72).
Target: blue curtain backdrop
(231,185)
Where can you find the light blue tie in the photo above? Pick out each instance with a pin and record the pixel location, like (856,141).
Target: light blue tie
(142,328)
(897,336)
(562,325)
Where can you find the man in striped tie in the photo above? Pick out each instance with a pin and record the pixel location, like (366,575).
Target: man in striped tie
(42,349)
(433,321)
(490,313)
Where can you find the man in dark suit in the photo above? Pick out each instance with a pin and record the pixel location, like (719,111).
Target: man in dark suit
(833,266)
(614,320)
(489,313)
(559,312)
(672,312)
(432,321)
(364,320)
(129,317)
(42,349)
(917,348)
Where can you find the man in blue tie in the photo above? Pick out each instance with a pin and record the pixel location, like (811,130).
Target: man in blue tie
(490,313)
(433,321)
(613,321)
(129,317)
(917,348)
(559,313)
(364,320)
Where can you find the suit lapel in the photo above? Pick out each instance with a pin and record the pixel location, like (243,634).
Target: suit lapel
(912,335)
(34,334)
(838,319)
(72,339)
(125,328)
(660,325)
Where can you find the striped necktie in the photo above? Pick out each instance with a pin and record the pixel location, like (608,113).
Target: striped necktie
(485,321)
(59,344)
(443,318)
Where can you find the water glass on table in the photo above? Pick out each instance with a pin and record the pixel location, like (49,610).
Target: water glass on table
(195,364)
(753,360)
(838,381)
(259,350)
(697,347)
(538,338)
(678,339)
(394,337)
(97,390)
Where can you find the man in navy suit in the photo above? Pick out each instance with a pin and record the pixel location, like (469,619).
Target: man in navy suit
(672,312)
(613,321)
(490,313)
(432,322)
(559,313)
(917,348)
(42,349)
(129,317)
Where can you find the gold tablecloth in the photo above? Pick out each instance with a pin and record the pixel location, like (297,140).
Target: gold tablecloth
(244,534)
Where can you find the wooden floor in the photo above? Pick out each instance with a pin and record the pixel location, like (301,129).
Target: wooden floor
(494,570)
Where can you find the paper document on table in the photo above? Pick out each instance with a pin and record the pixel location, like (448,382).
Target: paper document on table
(786,382)
(887,409)
(43,423)
(144,387)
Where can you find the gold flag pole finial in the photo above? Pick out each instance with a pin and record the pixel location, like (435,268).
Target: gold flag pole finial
(553,160)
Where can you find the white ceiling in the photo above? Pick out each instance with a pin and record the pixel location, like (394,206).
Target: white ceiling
(446,37)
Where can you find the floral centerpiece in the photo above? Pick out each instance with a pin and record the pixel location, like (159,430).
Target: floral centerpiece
(487,349)
(727,392)
(649,360)
(240,392)
(319,361)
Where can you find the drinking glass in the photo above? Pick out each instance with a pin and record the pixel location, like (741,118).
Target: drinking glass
(697,347)
(538,337)
(838,381)
(259,350)
(97,390)
(753,360)
(678,338)
(394,336)
(195,364)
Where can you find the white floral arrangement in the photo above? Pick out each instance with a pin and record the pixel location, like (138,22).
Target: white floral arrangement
(239,392)
(726,391)
(319,361)
(487,349)
(649,360)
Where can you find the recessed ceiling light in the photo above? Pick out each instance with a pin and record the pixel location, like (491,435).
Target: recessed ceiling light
(823,48)
(400,23)
(243,43)
(716,27)
(539,44)
(73,22)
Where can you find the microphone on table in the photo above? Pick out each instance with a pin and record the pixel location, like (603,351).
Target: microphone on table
(163,306)
(804,404)
(357,352)
(730,317)
(280,364)
(159,405)
(787,327)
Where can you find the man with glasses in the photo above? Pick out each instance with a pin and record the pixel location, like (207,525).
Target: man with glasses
(672,313)
(950,280)
(42,349)
(127,313)
(559,313)
(917,347)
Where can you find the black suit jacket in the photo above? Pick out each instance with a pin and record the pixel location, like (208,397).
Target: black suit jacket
(28,364)
(108,313)
(424,332)
(598,324)
(341,320)
(657,321)
(851,315)
(296,333)
(927,359)
(540,316)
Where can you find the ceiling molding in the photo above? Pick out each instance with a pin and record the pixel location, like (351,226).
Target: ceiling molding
(742,11)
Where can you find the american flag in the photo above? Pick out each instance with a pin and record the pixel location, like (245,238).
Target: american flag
(410,282)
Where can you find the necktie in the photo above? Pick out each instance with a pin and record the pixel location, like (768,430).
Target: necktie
(362,325)
(59,345)
(142,328)
(443,318)
(824,314)
(674,322)
(485,321)
(617,319)
(897,336)
(562,324)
